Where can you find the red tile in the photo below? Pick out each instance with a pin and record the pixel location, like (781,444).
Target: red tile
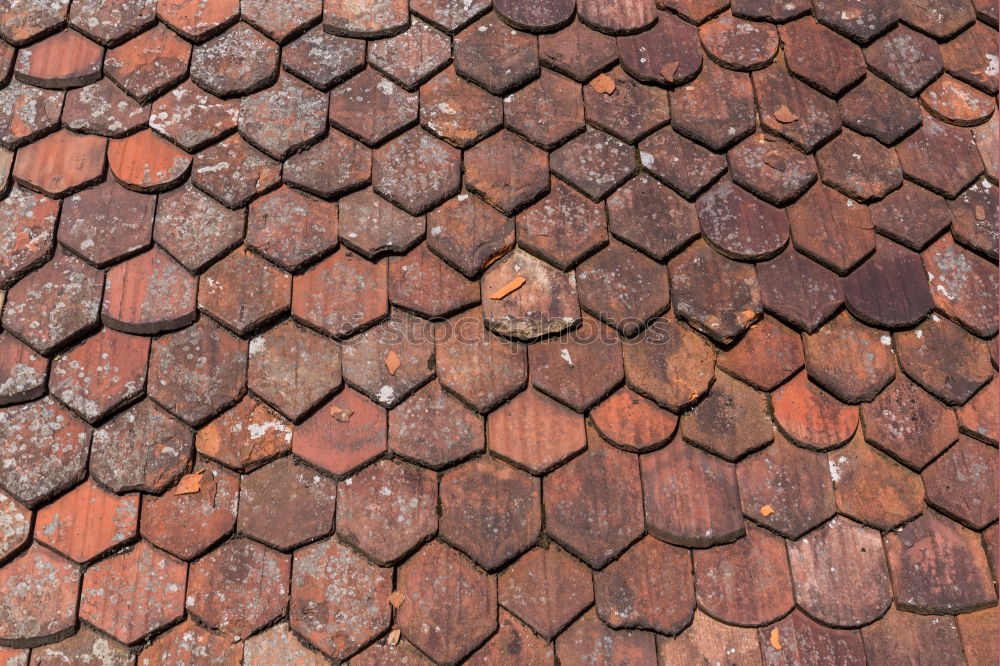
(96,378)
(691,497)
(423,283)
(907,423)
(107,223)
(816,116)
(745,583)
(27,226)
(102,108)
(589,641)
(369,19)
(147,581)
(284,504)
(192,118)
(434,429)
(416,171)
(237,62)
(812,417)
(669,343)
(911,216)
(962,483)
(146,163)
(490,511)
(560,364)
(650,586)
(149,65)
(873,488)
(491,54)
(633,423)
(195,229)
(446,591)
(322,59)
(771,169)
(246,436)
(794,483)
(244,292)
(850,360)
(290,228)
(366,362)
(593,504)
(620,18)
(766,339)
(739,44)
(717,121)
(707,640)
(824,59)
(372,226)
(24,23)
(967,57)
(894,268)
(976,628)
(938,566)
(195,20)
(577,51)
(961,284)
(944,359)
(372,108)
(234,172)
(972,229)
(513,637)
(482,369)
(413,56)
(110,23)
(623,288)
(516,432)
(942,21)
(189,524)
(387,510)
(874,108)
(803,641)
(911,636)
(186,642)
(469,234)
(61,163)
(341,446)
(197,372)
(239,587)
(957,103)
(149,294)
(41,589)
(859,166)
(507,172)
(283,118)
(55,305)
(840,574)
(23,374)
(546,588)
(668,53)
(594,162)
(695,11)
(545,303)
(87,522)
(86,646)
(860,23)
(293,368)
(650,217)
(335,165)
(547,111)
(979,417)
(922,153)
(629,112)
(33,112)
(341,294)
(738,224)
(381,652)
(731,420)
(717,296)
(280,23)
(457,111)
(906,59)
(117,464)
(276,644)
(64,60)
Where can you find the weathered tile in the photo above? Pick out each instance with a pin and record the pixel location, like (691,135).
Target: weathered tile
(803,641)
(187,641)
(540,17)
(244,291)
(956,103)
(859,166)
(962,483)
(891,270)
(771,169)
(857,20)
(623,288)
(944,359)
(821,57)
(423,283)
(547,588)
(417,171)
(343,437)
(412,57)
(278,644)
(739,44)
(281,23)
(67,59)
(25,22)
(577,51)
(392,360)
(507,172)
(651,217)
(368,19)
(906,59)
(246,436)
(41,589)
(23,374)
(910,636)
(545,303)
(738,224)
(87,522)
(547,111)
(284,118)
(86,646)
(850,360)
(61,163)
(812,417)
(457,111)
(450,15)
(149,294)
(911,215)
(102,108)
(668,343)
(513,637)
(495,56)
(941,21)
(195,20)
(980,416)
(565,227)
(149,65)
(515,432)
(234,172)
(238,62)
(323,59)
(812,118)
(371,107)
(195,229)
(335,165)
(290,228)
(708,640)
(768,339)
(961,283)
(147,163)
(27,233)
(874,108)
(925,152)
(701,112)
(666,54)
(967,57)
(730,421)
(679,163)
(974,218)
(620,18)
(831,229)
(342,294)
(193,118)
(908,424)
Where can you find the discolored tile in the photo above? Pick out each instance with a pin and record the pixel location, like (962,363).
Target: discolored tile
(821,57)
(117,464)
(942,21)
(577,51)
(193,118)
(944,359)
(368,368)
(709,640)
(234,172)
(967,57)
(911,636)
(974,220)
(590,640)
(323,59)
(150,64)
(717,121)
(911,216)
(387,526)
(547,111)
(564,227)
(335,165)
(423,283)
(630,111)
(369,19)
(507,172)
(25,22)
(244,292)
(875,108)
(195,20)
(962,483)
(413,56)
(909,424)
(457,111)
(434,429)
(290,228)
(905,58)
(146,163)
(771,169)
(87,522)
(891,270)
(102,108)
(29,113)
(27,233)
(345,436)
(148,294)
(668,53)
(812,417)
(246,436)
(513,637)
(42,590)
(859,167)
(856,20)
(281,23)
(739,44)
(730,421)
(623,288)
(186,640)
(618,19)
(812,117)
(679,163)
(717,296)
(514,434)
(547,588)
(691,497)
(651,218)
(371,108)
(237,62)
(956,103)
(766,339)
(961,283)
(668,343)
(450,15)
(872,488)
(67,59)
(738,224)
(23,374)
(490,511)
(923,154)
(416,171)
(803,641)
(284,118)
(342,294)
(850,360)
(979,416)
(85,646)
(543,17)
(545,303)
(107,223)
(491,54)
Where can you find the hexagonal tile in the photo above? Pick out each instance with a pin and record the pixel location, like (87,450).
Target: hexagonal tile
(667,54)
(290,228)
(698,110)
(27,230)
(668,343)
(547,111)
(594,162)
(629,112)
(560,364)
(623,288)
(107,223)
(102,108)
(344,437)
(23,374)
(423,283)
(514,434)
(41,588)
(335,165)
(831,229)
(32,113)
(87,522)
(150,64)
(234,172)
(392,360)
(495,56)
(371,107)
(236,63)
(372,226)
(246,436)
(193,118)
(562,228)
(147,163)
(547,587)
(543,300)
(197,21)
(110,23)
(457,111)
(244,291)
(651,217)
(133,301)
(61,163)
(323,59)
(434,429)
(416,171)
(731,421)
(413,56)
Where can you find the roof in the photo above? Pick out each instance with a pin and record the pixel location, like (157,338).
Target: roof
(593,332)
